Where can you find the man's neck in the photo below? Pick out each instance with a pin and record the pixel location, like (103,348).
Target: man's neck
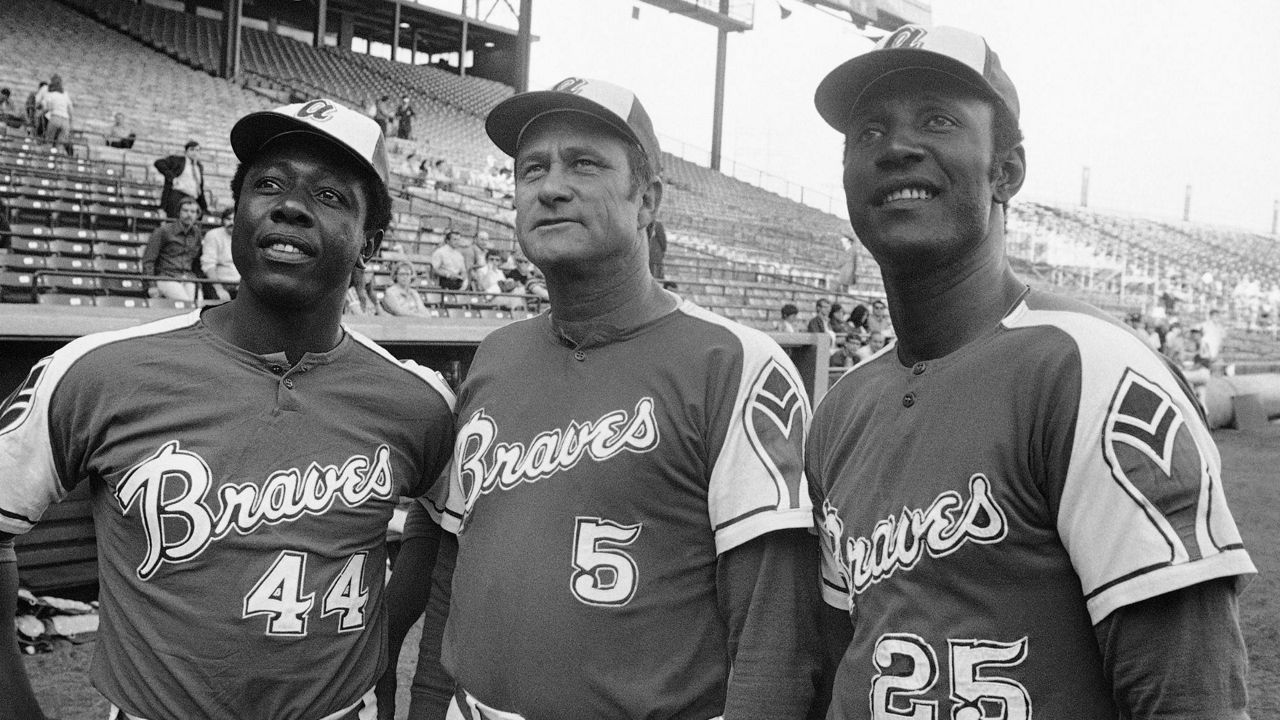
(939,311)
(587,310)
(251,325)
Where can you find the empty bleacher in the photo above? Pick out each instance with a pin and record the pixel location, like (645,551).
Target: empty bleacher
(734,247)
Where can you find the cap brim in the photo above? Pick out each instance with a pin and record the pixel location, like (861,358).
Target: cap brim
(255,130)
(840,90)
(510,117)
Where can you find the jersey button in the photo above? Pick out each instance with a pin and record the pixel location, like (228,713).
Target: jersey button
(277,369)
(917,369)
(908,400)
(579,355)
(288,382)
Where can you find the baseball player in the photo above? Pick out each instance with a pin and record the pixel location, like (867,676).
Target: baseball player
(244,460)
(1022,508)
(627,493)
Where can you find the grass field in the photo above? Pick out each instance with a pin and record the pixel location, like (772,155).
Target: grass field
(1251,469)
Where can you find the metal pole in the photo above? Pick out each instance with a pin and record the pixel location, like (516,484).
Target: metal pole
(717,115)
(395,33)
(524,39)
(462,52)
(322,9)
(230,60)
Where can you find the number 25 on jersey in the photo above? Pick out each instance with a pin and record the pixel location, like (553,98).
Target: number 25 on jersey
(976,693)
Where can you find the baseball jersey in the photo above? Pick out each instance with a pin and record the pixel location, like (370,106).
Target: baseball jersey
(240,507)
(592,491)
(982,511)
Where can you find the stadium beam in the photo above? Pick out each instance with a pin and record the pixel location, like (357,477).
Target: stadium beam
(322,9)
(724,21)
(229,63)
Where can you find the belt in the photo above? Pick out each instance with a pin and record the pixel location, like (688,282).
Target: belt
(366,708)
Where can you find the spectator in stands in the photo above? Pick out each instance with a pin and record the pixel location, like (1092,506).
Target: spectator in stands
(385,114)
(8,111)
(1214,333)
(370,108)
(215,258)
(183,178)
(1142,329)
(489,277)
(449,264)
(404,119)
(879,318)
(836,316)
(847,354)
(657,249)
(441,175)
(401,297)
(35,117)
(821,320)
(874,344)
(120,136)
(858,319)
(57,107)
(790,319)
(174,251)
(359,300)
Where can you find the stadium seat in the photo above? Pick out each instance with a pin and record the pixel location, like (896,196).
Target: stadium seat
(112,265)
(123,286)
(71,248)
(120,302)
(65,299)
(116,251)
(85,284)
(168,303)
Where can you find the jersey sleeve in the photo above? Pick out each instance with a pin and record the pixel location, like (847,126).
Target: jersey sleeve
(30,482)
(1142,510)
(444,501)
(833,582)
(758,483)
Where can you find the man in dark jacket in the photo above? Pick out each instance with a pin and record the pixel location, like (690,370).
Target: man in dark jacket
(183,178)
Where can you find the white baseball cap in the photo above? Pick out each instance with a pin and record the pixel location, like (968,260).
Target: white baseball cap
(357,134)
(616,106)
(958,53)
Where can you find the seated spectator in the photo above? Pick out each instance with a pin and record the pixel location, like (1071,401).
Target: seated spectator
(1135,322)
(449,264)
(847,354)
(173,251)
(489,277)
(441,175)
(119,136)
(790,317)
(875,343)
(401,297)
(9,114)
(838,324)
(359,299)
(215,258)
(879,319)
(536,285)
(858,319)
(1197,363)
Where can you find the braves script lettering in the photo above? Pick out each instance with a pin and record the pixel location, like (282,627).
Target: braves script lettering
(172,484)
(485,465)
(900,542)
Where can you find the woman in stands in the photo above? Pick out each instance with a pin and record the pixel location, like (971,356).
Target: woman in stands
(57,109)
(402,298)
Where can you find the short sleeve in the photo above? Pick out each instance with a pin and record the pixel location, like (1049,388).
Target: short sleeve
(758,483)
(833,583)
(30,481)
(1142,509)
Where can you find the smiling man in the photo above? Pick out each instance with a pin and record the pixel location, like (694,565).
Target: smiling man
(1021,505)
(244,460)
(628,498)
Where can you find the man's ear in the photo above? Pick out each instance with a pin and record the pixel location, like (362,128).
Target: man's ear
(1010,172)
(650,201)
(371,245)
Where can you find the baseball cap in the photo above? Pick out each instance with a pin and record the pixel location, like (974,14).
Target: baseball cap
(353,132)
(952,51)
(616,106)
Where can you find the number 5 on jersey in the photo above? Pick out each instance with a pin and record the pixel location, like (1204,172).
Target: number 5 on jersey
(603,574)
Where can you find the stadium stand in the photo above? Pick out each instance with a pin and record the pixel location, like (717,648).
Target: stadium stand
(734,247)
